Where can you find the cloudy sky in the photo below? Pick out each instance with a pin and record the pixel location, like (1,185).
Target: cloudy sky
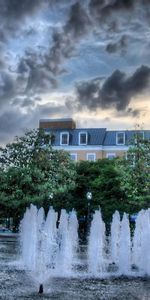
(86,59)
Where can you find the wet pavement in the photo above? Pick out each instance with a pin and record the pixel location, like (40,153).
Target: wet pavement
(17,284)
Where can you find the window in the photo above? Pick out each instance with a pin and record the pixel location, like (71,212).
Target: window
(64,138)
(111,155)
(83,138)
(73,156)
(91,156)
(120,138)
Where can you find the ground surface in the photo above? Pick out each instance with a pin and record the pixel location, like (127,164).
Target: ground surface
(17,284)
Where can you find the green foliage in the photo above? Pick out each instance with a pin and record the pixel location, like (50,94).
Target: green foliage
(135,172)
(102,179)
(31,171)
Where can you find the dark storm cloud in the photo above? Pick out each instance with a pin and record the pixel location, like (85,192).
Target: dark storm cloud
(104,8)
(120,45)
(39,70)
(78,22)
(12,16)
(15,9)
(116,91)
(65,41)
(33,74)
(7,86)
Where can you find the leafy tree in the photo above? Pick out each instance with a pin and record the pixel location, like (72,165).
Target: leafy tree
(32,171)
(135,172)
(102,179)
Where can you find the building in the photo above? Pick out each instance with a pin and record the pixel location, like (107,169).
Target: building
(89,143)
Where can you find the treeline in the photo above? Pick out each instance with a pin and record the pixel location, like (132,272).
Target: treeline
(31,171)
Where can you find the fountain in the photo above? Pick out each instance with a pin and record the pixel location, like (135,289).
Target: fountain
(124,255)
(96,245)
(51,251)
(46,250)
(115,236)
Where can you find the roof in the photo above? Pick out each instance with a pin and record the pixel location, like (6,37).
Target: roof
(95,135)
(110,137)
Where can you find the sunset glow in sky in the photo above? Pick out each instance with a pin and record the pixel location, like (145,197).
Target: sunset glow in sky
(86,59)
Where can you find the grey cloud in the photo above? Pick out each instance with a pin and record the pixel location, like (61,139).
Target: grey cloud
(15,122)
(134,113)
(88,93)
(65,41)
(12,15)
(14,9)
(7,86)
(116,91)
(10,121)
(26,102)
(102,9)
(120,45)
(33,74)
(78,22)
(39,69)
(50,109)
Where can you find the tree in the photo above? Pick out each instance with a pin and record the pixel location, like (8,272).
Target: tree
(32,171)
(135,172)
(102,179)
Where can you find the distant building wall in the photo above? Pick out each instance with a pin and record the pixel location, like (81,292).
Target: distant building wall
(99,142)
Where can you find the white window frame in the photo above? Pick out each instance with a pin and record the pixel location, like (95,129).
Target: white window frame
(76,156)
(117,133)
(82,132)
(94,155)
(61,134)
(113,154)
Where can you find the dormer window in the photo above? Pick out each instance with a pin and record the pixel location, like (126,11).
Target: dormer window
(82,138)
(64,138)
(120,138)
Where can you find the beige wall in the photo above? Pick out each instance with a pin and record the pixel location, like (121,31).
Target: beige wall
(82,154)
(118,153)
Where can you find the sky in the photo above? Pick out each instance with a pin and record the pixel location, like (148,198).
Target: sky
(86,59)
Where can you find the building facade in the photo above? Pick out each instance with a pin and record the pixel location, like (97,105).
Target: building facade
(89,143)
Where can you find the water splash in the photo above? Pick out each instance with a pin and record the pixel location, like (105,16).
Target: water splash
(115,237)
(48,250)
(97,239)
(124,253)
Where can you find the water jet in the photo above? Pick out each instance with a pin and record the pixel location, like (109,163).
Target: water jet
(51,250)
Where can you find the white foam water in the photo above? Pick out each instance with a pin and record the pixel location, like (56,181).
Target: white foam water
(50,250)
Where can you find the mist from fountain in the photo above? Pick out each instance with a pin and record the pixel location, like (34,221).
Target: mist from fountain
(67,238)
(115,237)
(124,253)
(141,243)
(48,250)
(45,249)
